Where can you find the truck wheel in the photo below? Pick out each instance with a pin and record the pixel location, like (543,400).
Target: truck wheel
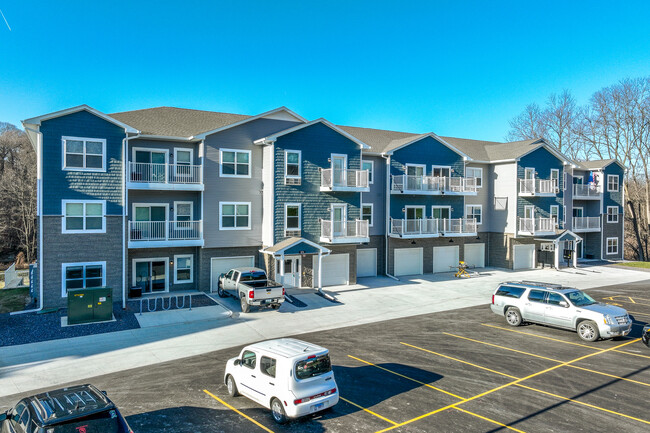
(220,291)
(275,306)
(245,308)
(232,386)
(513,316)
(278,411)
(588,330)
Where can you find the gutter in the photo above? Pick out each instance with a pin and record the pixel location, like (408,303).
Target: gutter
(387,219)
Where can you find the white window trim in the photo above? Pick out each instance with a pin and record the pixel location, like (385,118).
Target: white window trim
(532,213)
(372,213)
(286,205)
(176,225)
(185,149)
(564,180)
(433,167)
(339,155)
(581,208)
(182,256)
(406,168)
(84,139)
(235,203)
(582,179)
(184,173)
(424,211)
(84,202)
(149,149)
(153,259)
(607,246)
(299,152)
(250,163)
(618,180)
(557,208)
(467,213)
(339,205)
(441,207)
(480,169)
(64,292)
(527,169)
(556,170)
(616,214)
(372,169)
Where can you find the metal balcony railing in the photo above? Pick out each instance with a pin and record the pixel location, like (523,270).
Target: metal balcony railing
(537,186)
(586,223)
(458,226)
(427,227)
(536,225)
(589,191)
(433,184)
(339,230)
(346,179)
(144,172)
(165,230)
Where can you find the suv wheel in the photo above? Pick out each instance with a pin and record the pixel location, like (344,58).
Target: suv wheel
(278,411)
(588,330)
(513,316)
(232,387)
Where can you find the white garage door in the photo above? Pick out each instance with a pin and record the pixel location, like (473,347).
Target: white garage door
(221,265)
(367,262)
(524,257)
(336,270)
(444,258)
(408,261)
(475,255)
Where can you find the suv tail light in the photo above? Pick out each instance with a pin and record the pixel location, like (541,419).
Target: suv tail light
(251,294)
(492,299)
(322,394)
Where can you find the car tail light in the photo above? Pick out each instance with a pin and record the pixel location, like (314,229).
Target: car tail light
(492,299)
(283,291)
(251,294)
(322,394)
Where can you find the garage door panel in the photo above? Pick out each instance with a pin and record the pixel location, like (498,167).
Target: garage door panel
(220,265)
(367,262)
(475,255)
(336,270)
(408,261)
(523,257)
(444,258)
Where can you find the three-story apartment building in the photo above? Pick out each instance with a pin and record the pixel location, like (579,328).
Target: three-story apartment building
(167,199)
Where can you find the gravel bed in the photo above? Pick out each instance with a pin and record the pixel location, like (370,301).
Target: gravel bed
(32,327)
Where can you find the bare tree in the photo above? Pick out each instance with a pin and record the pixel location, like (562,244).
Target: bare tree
(528,125)
(10,139)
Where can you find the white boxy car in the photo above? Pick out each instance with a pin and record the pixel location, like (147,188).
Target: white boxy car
(291,377)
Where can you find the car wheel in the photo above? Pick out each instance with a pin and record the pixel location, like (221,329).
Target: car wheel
(588,330)
(232,386)
(220,291)
(513,316)
(245,308)
(278,411)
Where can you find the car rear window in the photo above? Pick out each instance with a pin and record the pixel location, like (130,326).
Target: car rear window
(510,292)
(313,366)
(253,276)
(102,422)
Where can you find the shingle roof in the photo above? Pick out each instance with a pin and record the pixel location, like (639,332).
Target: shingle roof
(595,164)
(379,140)
(176,122)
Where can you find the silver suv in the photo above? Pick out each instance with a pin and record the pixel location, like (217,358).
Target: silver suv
(562,307)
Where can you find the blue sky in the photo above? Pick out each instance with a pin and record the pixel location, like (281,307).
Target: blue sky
(452,67)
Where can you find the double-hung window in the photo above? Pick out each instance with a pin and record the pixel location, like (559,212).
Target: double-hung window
(84,154)
(292,219)
(234,216)
(82,275)
(476,173)
(370,166)
(292,163)
(84,216)
(612,214)
(555,210)
(612,183)
(366,213)
(612,245)
(555,177)
(475,211)
(184,270)
(235,163)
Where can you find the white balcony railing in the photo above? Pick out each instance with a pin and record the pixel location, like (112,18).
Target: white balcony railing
(586,223)
(433,184)
(537,186)
(458,226)
(586,191)
(165,230)
(535,226)
(331,179)
(340,231)
(427,227)
(143,172)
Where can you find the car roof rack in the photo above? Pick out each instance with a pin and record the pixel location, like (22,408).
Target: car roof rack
(542,284)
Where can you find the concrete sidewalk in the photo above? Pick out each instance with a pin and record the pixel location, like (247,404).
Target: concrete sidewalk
(51,363)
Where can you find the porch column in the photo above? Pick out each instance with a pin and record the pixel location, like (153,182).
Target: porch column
(282,269)
(575,253)
(557,254)
(320,268)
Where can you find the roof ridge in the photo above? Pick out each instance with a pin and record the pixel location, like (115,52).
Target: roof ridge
(384,130)
(180,108)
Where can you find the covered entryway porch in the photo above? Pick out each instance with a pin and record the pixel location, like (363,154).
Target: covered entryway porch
(285,260)
(565,247)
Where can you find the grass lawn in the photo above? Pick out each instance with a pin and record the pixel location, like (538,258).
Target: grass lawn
(13,299)
(645,265)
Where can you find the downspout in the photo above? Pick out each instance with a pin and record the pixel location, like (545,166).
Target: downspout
(387,220)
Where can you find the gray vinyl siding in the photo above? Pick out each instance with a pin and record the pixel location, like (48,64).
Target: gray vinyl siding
(226,189)
(205,261)
(377,195)
(503,177)
(169,253)
(483,197)
(165,197)
(59,184)
(169,146)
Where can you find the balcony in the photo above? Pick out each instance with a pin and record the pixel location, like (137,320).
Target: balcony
(142,175)
(414,228)
(537,226)
(156,234)
(433,185)
(537,187)
(586,224)
(458,227)
(344,232)
(586,192)
(344,180)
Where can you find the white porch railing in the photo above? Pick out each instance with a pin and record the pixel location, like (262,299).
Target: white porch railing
(458,226)
(330,178)
(414,227)
(536,225)
(590,191)
(334,230)
(433,184)
(537,186)
(165,230)
(143,172)
(586,223)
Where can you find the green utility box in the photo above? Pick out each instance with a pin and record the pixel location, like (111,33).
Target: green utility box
(89,305)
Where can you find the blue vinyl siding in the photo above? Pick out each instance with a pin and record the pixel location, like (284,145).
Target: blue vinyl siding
(316,142)
(61,184)
(543,162)
(613,198)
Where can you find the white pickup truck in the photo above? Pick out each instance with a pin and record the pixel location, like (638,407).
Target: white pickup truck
(251,287)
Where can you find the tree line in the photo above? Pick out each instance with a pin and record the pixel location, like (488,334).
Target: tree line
(614,123)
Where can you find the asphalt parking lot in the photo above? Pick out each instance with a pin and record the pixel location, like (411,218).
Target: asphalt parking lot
(457,371)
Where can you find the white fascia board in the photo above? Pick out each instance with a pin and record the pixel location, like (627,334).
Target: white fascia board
(250,119)
(37,120)
(272,138)
(436,137)
(167,138)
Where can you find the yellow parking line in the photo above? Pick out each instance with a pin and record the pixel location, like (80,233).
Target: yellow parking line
(549,359)
(631,300)
(239,412)
(406,377)
(368,410)
(488,419)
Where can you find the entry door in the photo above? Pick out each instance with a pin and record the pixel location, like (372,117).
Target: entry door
(338,220)
(291,271)
(529,173)
(414,176)
(156,170)
(529,216)
(339,164)
(577,212)
(152,222)
(414,217)
(441,171)
(441,212)
(151,276)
